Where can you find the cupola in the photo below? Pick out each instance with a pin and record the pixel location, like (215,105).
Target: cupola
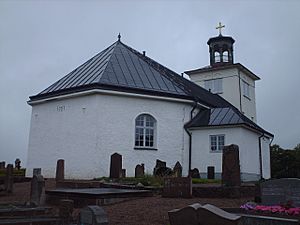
(220,49)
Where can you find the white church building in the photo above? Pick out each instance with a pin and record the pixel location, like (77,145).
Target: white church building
(121,101)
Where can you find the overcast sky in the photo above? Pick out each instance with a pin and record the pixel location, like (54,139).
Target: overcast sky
(41,41)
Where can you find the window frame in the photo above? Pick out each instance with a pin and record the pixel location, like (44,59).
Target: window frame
(213,84)
(217,142)
(246,90)
(144,129)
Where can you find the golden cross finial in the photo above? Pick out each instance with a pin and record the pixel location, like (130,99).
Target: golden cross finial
(220,28)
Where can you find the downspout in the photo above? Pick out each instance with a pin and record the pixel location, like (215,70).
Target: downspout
(190,139)
(240,91)
(260,156)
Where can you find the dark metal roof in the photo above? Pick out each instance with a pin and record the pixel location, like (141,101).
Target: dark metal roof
(223,117)
(121,68)
(222,66)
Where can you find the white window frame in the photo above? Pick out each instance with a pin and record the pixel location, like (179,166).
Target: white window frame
(214,85)
(215,146)
(145,132)
(246,89)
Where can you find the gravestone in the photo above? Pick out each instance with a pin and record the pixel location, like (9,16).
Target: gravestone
(66,207)
(197,214)
(161,169)
(177,170)
(140,170)
(9,179)
(60,170)
(37,193)
(2,165)
(123,172)
(36,171)
(231,174)
(280,191)
(210,172)
(194,173)
(115,166)
(18,164)
(186,215)
(93,215)
(177,187)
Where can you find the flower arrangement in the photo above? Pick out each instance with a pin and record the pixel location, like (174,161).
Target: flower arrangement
(287,208)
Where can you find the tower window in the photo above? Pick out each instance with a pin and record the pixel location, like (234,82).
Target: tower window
(225,56)
(246,89)
(217,57)
(215,86)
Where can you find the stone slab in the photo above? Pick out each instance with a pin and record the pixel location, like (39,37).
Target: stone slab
(177,187)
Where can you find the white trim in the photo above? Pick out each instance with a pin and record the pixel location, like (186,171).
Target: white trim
(89,92)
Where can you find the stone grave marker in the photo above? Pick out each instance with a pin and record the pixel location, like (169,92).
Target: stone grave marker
(2,165)
(115,166)
(177,170)
(197,214)
(60,170)
(161,169)
(18,164)
(140,170)
(177,187)
(159,164)
(36,171)
(123,172)
(195,173)
(9,179)
(93,215)
(37,193)
(231,174)
(280,191)
(66,207)
(210,172)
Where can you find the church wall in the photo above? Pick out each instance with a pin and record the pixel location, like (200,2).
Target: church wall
(85,131)
(248,150)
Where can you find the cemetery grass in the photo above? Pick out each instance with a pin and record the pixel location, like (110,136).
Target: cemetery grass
(142,211)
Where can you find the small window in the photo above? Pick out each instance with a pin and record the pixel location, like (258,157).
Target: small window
(225,56)
(217,57)
(246,89)
(217,142)
(145,131)
(215,86)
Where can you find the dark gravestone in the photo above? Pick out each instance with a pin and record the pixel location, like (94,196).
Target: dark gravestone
(18,164)
(36,171)
(37,193)
(177,187)
(2,165)
(281,191)
(194,173)
(60,170)
(231,174)
(159,164)
(210,172)
(93,215)
(140,170)
(9,179)
(177,170)
(115,166)
(123,172)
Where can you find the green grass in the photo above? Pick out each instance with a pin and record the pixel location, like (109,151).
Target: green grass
(20,172)
(205,181)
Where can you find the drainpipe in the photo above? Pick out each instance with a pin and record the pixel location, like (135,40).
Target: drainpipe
(240,91)
(190,140)
(260,155)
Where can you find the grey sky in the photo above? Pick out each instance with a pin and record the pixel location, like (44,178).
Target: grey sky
(41,42)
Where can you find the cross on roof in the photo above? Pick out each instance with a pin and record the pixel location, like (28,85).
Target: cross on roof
(220,28)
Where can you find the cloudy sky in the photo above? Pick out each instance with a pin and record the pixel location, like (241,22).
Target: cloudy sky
(41,41)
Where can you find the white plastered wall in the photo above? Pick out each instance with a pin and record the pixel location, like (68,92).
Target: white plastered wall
(86,130)
(248,144)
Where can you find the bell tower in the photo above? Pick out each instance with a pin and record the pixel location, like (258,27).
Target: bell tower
(220,49)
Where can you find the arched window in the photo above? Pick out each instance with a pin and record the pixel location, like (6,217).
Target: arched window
(225,56)
(217,57)
(145,126)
